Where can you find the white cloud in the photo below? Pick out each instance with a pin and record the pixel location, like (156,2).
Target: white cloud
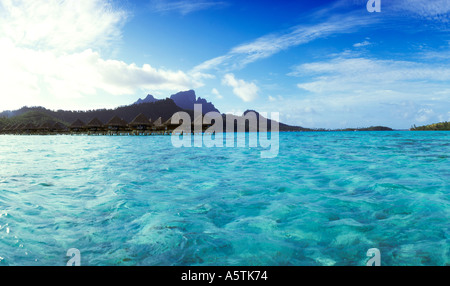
(276,98)
(184,7)
(50,56)
(424,114)
(362,44)
(246,91)
(356,75)
(32,77)
(62,26)
(216,93)
(211,64)
(363,91)
(268,45)
(444,117)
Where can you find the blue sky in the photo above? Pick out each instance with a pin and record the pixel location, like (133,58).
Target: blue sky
(327,64)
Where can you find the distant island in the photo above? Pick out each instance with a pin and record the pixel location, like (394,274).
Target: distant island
(443,126)
(157,112)
(372,128)
(153,114)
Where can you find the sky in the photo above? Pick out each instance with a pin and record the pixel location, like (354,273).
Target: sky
(320,64)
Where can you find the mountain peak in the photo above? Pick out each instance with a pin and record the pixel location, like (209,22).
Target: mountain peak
(148,99)
(187,99)
(184,98)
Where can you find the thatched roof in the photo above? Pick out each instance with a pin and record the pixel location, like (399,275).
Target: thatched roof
(176,119)
(10,127)
(77,124)
(117,121)
(17,126)
(45,126)
(200,120)
(94,123)
(140,120)
(58,126)
(30,126)
(158,122)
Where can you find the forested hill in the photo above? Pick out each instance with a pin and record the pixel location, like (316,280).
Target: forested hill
(163,108)
(443,126)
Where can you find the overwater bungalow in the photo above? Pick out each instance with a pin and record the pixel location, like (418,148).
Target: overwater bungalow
(29,128)
(77,126)
(158,126)
(44,128)
(16,128)
(9,128)
(95,127)
(58,128)
(117,126)
(174,122)
(140,125)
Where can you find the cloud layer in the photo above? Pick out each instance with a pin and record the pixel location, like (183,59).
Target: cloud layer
(51,55)
(268,45)
(351,75)
(62,26)
(355,90)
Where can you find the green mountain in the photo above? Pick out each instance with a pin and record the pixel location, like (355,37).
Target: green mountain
(35,117)
(152,110)
(163,108)
(443,126)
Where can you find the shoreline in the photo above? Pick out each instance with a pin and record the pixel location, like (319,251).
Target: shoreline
(168,133)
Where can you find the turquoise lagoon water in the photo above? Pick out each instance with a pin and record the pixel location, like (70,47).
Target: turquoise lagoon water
(325,200)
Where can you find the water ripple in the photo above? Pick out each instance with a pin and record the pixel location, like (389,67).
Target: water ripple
(325,200)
